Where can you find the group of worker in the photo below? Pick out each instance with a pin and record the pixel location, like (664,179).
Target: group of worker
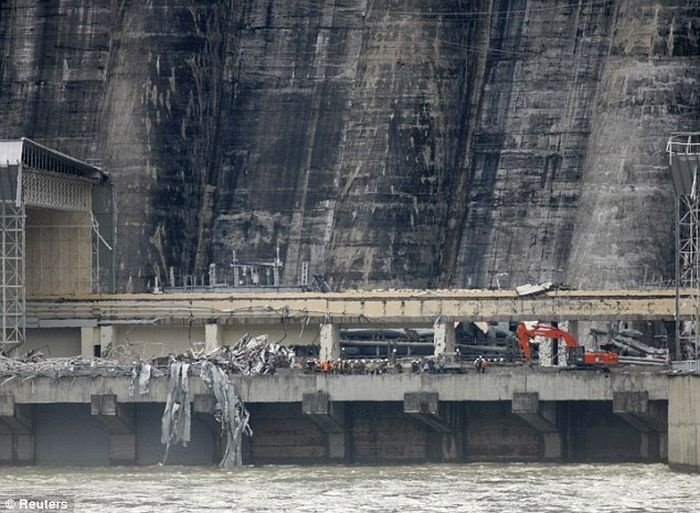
(480,364)
(427,365)
(343,366)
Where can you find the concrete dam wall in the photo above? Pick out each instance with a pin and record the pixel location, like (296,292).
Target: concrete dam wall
(421,143)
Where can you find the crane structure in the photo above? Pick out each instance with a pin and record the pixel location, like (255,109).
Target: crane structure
(576,354)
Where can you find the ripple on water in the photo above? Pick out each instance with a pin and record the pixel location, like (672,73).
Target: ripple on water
(540,488)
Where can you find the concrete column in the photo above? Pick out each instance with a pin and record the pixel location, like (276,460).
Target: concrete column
(648,417)
(444,337)
(107,338)
(204,408)
(542,415)
(89,338)
(330,342)
(445,422)
(330,417)
(684,423)
(17,436)
(213,336)
(16,449)
(119,419)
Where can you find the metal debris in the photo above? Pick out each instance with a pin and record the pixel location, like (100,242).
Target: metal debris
(177,417)
(231,413)
(251,356)
(530,290)
(34,366)
(248,356)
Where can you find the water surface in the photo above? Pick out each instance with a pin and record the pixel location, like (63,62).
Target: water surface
(475,487)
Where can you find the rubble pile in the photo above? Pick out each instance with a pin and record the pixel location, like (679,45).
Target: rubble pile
(634,349)
(250,356)
(36,365)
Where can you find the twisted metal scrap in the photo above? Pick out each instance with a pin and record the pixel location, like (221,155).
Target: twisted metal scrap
(177,418)
(231,413)
(248,356)
(37,366)
(252,356)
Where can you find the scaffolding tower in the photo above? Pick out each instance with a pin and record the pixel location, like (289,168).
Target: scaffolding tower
(33,176)
(12,273)
(684,159)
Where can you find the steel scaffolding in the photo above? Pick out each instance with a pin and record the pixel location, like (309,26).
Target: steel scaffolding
(12,275)
(32,175)
(684,159)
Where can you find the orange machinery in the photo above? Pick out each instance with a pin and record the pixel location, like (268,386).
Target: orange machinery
(575,351)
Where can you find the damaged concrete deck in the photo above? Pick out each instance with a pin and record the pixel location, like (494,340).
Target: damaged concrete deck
(499,385)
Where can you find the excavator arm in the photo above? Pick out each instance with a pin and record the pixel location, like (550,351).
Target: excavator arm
(525,334)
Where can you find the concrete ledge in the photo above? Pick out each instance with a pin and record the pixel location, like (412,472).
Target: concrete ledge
(425,406)
(496,385)
(541,416)
(319,408)
(117,417)
(14,418)
(636,408)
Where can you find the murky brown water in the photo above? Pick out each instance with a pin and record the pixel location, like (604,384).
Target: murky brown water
(422,488)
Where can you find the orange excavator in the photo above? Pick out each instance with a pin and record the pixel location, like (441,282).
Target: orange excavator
(576,354)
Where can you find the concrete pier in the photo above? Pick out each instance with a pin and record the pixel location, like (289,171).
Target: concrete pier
(505,415)
(444,337)
(543,416)
(330,342)
(684,423)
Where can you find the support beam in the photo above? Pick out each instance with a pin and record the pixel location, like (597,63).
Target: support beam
(444,337)
(330,342)
(425,406)
(16,432)
(117,417)
(640,412)
(650,418)
(89,338)
(15,418)
(330,418)
(404,308)
(320,409)
(213,336)
(540,415)
(107,338)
